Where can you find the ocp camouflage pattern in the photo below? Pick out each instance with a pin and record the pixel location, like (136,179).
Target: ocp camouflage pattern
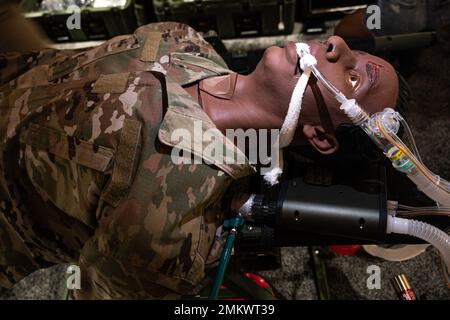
(86,173)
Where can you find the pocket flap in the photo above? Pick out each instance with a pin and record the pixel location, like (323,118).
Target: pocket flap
(84,153)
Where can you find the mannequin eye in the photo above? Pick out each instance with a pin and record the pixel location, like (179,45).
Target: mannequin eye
(353,80)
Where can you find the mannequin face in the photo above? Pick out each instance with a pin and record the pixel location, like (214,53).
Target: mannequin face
(370,80)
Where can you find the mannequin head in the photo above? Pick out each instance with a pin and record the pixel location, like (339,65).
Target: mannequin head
(368,79)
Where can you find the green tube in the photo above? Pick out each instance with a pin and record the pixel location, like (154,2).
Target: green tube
(224,258)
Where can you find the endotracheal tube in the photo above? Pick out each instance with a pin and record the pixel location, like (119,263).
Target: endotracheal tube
(382,128)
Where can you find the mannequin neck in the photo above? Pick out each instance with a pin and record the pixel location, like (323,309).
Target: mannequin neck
(244,104)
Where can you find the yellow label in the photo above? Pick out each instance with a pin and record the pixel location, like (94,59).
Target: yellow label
(397,155)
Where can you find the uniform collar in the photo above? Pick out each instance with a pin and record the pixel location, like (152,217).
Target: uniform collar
(186,114)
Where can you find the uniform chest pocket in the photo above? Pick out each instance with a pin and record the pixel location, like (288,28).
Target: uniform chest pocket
(66,147)
(64,170)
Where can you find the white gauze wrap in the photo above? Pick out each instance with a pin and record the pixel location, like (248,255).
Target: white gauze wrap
(295,105)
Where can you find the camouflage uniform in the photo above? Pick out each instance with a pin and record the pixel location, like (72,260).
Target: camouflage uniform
(85,169)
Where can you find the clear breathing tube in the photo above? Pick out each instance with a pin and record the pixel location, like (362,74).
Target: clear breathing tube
(382,128)
(304,52)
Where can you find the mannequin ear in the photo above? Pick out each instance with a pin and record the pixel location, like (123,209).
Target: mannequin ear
(323,142)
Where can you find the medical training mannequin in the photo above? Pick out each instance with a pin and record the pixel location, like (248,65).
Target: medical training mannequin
(87,165)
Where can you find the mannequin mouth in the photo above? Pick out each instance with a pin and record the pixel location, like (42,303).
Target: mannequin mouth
(298,70)
(294,59)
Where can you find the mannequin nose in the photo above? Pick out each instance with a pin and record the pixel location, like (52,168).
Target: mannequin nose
(338,51)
